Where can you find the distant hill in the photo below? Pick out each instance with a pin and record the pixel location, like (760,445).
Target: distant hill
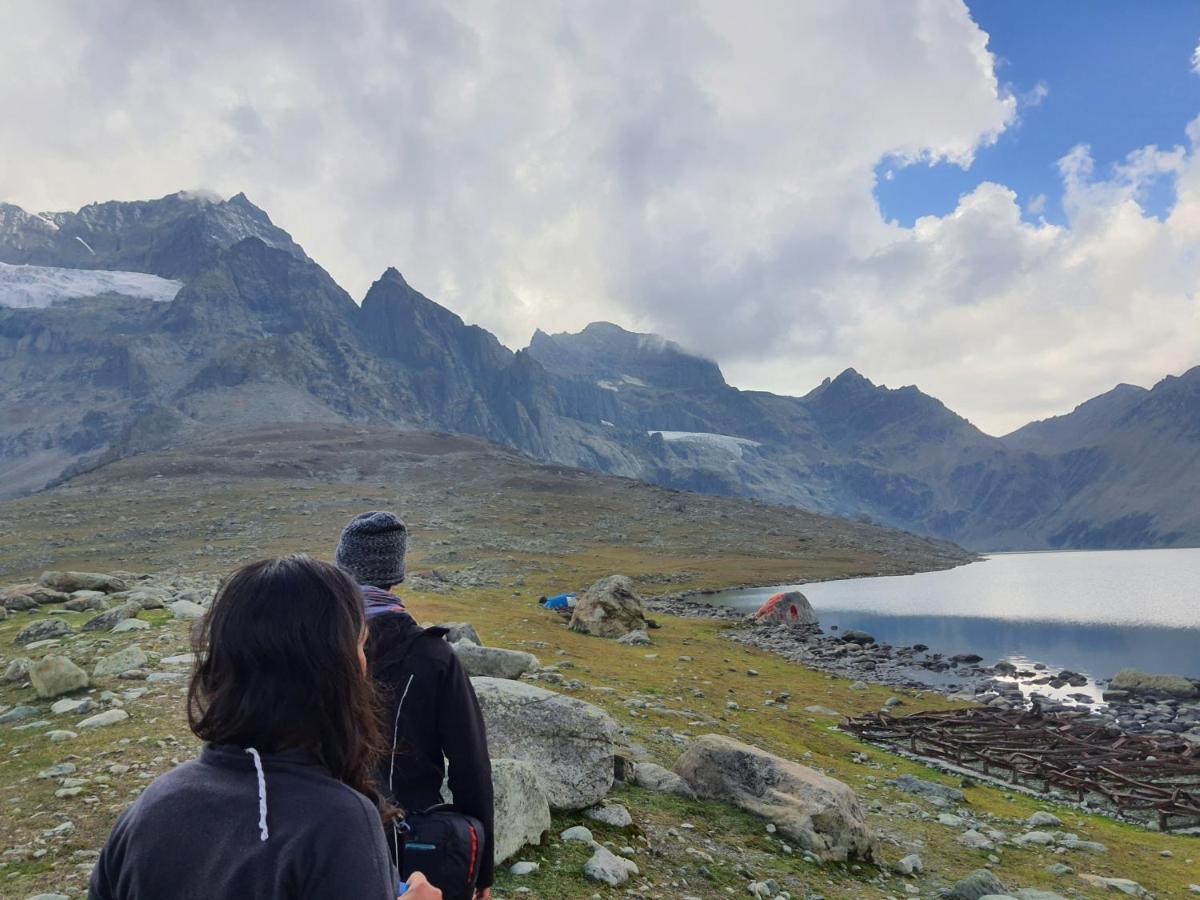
(240,328)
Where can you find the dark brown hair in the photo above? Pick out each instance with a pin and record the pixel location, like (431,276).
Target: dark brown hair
(277,668)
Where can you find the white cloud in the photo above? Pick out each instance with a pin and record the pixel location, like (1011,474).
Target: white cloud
(704,169)
(1196,60)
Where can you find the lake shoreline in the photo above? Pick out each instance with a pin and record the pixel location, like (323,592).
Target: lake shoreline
(959,677)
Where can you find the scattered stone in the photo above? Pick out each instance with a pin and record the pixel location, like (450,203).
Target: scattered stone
(822,711)
(126,625)
(613,814)
(57,771)
(576,834)
(974,840)
(72,706)
(59,735)
(1116,885)
(125,660)
(1059,869)
(606,867)
(17,714)
(41,630)
(1036,838)
(637,638)
(609,608)
(183,659)
(186,610)
(931,789)
(108,717)
(820,813)
(494,662)
(55,675)
(910,865)
(68,582)
(857,637)
(19,603)
(523,868)
(17,670)
(975,886)
(569,742)
(654,777)
(1084,846)
(1042,819)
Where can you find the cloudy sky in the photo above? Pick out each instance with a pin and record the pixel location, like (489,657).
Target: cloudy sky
(999,203)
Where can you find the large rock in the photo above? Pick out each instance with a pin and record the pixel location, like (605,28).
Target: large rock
(54,675)
(818,812)
(106,620)
(17,670)
(1143,683)
(605,866)
(19,602)
(494,662)
(186,610)
(126,660)
(789,608)
(521,809)
(568,742)
(609,608)
(42,629)
(978,884)
(67,582)
(82,601)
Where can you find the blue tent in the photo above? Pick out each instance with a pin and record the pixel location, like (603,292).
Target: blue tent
(561,601)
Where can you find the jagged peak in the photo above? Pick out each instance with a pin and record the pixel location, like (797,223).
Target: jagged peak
(392,275)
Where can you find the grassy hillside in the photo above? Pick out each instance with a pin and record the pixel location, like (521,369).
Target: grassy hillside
(503,533)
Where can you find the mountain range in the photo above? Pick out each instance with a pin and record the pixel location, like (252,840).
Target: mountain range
(133,326)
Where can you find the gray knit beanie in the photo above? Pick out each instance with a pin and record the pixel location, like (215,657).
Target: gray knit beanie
(372,549)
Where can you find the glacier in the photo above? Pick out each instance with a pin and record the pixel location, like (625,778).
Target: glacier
(37,287)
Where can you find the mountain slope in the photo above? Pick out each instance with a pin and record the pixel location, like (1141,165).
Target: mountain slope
(102,366)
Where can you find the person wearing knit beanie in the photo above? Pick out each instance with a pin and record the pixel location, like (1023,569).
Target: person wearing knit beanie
(372,549)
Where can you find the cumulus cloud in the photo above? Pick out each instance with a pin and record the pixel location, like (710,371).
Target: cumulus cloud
(702,169)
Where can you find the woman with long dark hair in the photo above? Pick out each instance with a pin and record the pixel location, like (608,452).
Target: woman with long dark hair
(280,802)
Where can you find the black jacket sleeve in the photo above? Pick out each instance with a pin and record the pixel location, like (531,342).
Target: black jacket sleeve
(464,741)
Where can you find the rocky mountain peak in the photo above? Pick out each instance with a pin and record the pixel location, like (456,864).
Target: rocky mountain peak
(609,353)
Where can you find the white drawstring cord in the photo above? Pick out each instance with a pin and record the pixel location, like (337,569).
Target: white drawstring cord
(392,761)
(262,794)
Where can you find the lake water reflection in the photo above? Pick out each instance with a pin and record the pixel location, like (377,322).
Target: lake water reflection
(1094,612)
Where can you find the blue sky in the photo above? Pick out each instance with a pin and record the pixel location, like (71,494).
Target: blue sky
(1117,76)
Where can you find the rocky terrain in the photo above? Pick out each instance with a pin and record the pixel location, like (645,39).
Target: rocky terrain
(660,743)
(240,328)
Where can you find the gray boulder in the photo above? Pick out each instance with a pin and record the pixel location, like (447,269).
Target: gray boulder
(1144,683)
(789,608)
(608,868)
(461,631)
(634,639)
(978,884)
(931,790)
(521,809)
(17,602)
(42,629)
(609,608)
(68,582)
(17,670)
(55,675)
(109,618)
(126,660)
(494,662)
(568,742)
(186,609)
(820,813)
(654,777)
(82,601)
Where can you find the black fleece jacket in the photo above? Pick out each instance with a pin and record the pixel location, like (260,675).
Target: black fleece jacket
(440,721)
(196,833)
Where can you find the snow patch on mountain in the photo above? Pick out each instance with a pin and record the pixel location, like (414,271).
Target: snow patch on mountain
(727,442)
(37,287)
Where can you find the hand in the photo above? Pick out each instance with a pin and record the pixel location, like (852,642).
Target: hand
(483,894)
(419,888)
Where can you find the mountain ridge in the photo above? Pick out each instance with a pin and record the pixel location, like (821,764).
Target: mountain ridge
(259,332)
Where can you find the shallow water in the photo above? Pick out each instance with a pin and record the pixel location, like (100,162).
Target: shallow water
(1094,612)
